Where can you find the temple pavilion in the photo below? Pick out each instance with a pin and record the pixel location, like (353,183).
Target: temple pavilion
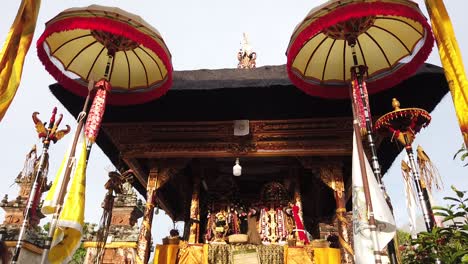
(294,151)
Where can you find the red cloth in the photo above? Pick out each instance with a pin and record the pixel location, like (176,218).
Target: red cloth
(299,225)
(96,113)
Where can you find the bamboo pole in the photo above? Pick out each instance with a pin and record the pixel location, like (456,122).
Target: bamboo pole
(66,177)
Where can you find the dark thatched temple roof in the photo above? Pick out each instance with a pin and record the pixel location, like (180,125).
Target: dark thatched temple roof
(264,93)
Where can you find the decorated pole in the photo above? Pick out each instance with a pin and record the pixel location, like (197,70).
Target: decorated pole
(144,237)
(47,134)
(98,107)
(332,176)
(66,177)
(362,111)
(194,234)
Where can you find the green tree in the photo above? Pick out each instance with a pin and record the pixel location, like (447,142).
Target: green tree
(449,244)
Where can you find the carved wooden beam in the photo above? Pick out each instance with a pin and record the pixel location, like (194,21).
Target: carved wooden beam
(305,137)
(138,171)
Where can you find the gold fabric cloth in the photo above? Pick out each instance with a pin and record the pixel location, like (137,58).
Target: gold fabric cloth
(166,254)
(296,255)
(222,254)
(451,59)
(327,256)
(14,51)
(193,254)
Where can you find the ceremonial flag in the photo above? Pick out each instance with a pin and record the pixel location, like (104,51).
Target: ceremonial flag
(14,51)
(67,236)
(363,246)
(410,194)
(452,62)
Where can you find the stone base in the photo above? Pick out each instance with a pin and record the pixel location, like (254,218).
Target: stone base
(29,253)
(115,252)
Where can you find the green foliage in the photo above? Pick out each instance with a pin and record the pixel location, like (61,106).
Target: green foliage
(403,237)
(450,243)
(80,253)
(46,227)
(463,152)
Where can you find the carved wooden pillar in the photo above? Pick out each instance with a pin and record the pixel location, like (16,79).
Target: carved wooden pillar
(159,174)
(332,176)
(195,211)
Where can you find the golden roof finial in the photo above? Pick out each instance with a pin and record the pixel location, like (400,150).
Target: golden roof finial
(395,104)
(246,55)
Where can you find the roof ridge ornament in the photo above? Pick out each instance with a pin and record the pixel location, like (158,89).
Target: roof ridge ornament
(246,55)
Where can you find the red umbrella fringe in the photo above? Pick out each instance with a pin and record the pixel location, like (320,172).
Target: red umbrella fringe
(114,27)
(355,11)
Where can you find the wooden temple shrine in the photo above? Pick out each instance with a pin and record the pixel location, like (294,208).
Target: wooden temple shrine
(294,188)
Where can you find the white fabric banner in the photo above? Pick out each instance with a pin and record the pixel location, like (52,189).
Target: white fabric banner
(363,246)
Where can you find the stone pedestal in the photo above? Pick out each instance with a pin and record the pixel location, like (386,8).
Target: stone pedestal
(123,232)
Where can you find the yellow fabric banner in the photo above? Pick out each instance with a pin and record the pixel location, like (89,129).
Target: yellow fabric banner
(14,51)
(67,236)
(452,62)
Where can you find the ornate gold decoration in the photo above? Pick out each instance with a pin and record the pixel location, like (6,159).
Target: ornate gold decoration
(160,173)
(195,212)
(246,55)
(333,178)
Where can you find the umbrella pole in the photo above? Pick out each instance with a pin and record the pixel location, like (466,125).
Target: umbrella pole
(66,178)
(421,191)
(96,111)
(365,184)
(391,248)
(423,196)
(36,187)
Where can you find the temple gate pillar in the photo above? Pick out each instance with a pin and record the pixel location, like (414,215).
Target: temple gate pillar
(159,174)
(332,176)
(33,241)
(195,211)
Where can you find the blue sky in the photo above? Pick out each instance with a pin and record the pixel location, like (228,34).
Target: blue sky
(204,35)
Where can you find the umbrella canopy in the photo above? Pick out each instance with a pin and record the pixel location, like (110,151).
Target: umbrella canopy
(80,43)
(402,124)
(391,37)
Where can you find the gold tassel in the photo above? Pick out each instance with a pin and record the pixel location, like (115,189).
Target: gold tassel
(430,176)
(406,172)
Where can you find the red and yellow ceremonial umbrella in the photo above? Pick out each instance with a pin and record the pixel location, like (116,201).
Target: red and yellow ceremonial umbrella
(97,42)
(402,125)
(130,56)
(390,37)
(125,54)
(349,48)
